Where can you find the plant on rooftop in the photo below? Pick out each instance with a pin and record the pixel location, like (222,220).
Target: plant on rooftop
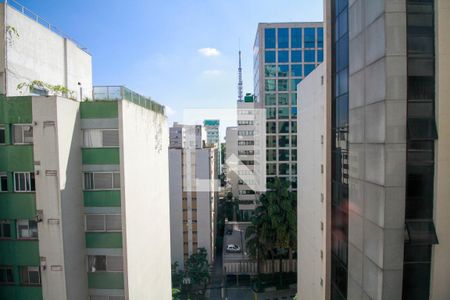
(11,33)
(57,90)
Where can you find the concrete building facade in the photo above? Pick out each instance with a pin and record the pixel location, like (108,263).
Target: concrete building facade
(193,196)
(231,159)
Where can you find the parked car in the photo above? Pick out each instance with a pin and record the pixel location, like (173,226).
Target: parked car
(232,248)
(229,231)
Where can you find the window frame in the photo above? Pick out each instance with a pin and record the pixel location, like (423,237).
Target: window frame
(31,237)
(93,180)
(3,128)
(29,181)
(2,230)
(105,228)
(28,270)
(3,175)
(23,134)
(7,268)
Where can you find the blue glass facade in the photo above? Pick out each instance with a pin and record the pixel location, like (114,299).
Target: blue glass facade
(290,52)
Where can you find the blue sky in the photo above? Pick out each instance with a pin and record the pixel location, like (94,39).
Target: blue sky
(152,46)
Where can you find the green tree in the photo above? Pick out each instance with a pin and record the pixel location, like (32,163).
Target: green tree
(197,270)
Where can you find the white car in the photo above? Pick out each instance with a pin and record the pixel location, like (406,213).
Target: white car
(233,248)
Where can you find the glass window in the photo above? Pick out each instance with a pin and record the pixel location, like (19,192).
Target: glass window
(101,180)
(319,56)
(294,154)
(342,111)
(3,182)
(269,56)
(96,263)
(308,68)
(421,87)
(283,127)
(271,127)
(294,98)
(30,276)
(27,229)
(421,232)
(270,85)
(283,70)
(271,141)
(5,229)
(310,38)
(24,182)
(283,141)
(2,135)
(283,169)
(283,56)
(283,99)
(269,38)
(421,129)
(283,113)
(296,70)
(342,82)
(294,127)
(319,37)
(6,275)
(294,141)
(310,56)
(283,155)
(294,83)
(271,113)
(296,37)
(270,70)
(294,169)
(22,134)
(271,169)
(283,38)
(283,85)
(271,99)
(271,155)
(342,24)
(293,112)
(296,56)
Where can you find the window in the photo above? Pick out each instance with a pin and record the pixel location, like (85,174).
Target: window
(294,140)
(270,70)
(96,138)
(271,155)
(296,56)
(308,69)
(319,37)
(294,98)
(101,180)
(271,113)
(283,85)
(271,141)
(271,169)
(283,155)
(294,84)
(283,169)
(310,56)
(320,56)
(269,38)
(270,85)
(296,37)
(310,37)
(293,127)
(30,276)
(100,222)
(2,135)
(296,70)
(105,263)
(271,99)
(283,38)
(283,127)
(271,127)
(269,56)
(6,275)
(283,70)
(24,182)
(23,134)
(294,154)
(3,182)
(283,141)
(5,229)
(283,56)
(27,229)
(283,99)
(283,113)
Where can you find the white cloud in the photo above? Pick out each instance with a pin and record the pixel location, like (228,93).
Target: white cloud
(170,111)
(209,52)
(211,73)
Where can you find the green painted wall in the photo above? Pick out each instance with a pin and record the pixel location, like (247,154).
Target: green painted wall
(15,110)
(103,240)
(17,206)
(99,109)
(15,292)
(16,158)
(101,156)
(105,280)
(19,252)
(102,198)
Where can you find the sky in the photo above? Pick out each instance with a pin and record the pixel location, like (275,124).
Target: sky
(181,53)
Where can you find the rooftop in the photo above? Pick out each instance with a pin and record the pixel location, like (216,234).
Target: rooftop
(116,93)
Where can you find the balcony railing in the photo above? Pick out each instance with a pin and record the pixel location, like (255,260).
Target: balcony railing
(116,93)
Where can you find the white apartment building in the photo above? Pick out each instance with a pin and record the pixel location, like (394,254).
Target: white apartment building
(231,159)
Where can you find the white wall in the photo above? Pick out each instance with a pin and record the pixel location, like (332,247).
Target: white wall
(176,209)
(231,150)
(145,202)
(57,147)
(40,54)
(311,210)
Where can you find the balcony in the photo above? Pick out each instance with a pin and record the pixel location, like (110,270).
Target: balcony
(117,93)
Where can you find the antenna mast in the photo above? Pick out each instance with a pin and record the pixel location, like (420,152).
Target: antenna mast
(240,83)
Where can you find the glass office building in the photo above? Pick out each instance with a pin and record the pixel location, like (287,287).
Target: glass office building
(284,53)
